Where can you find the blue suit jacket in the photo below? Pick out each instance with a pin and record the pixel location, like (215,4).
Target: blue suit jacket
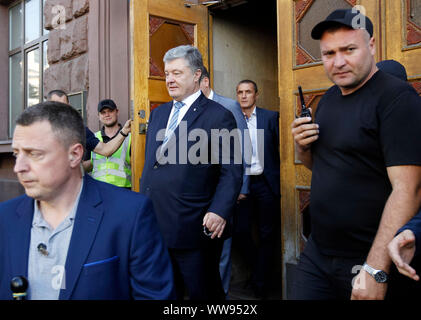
(415,226)
(115,252)
(235,109)
(269,121)
(183,193)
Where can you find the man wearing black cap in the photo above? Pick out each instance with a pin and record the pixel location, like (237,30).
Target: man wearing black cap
(363,150)
(115,169)
(92,143)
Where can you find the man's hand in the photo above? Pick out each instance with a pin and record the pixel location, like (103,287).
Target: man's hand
(241,196)
(365,287)
(215,224)
(127,127)
(401,250)
(304,133)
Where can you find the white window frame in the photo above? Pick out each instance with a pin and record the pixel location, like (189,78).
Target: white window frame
(24,48)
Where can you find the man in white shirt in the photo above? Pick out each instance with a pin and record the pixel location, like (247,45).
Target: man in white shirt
(263,200)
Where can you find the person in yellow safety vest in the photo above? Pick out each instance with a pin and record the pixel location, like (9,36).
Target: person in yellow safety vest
(115,169)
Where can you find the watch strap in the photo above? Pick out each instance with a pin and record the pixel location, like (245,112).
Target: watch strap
(379,275)
(369,269)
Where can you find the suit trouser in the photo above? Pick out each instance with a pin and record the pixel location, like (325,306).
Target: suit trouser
(322,277)
(225,265)
(264,205)
(197,270)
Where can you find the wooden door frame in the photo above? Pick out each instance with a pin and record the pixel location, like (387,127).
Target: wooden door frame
(285,73)
(140,74)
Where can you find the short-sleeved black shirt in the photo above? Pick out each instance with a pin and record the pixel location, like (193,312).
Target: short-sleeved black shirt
(91,140)
(361,134)
(91,143)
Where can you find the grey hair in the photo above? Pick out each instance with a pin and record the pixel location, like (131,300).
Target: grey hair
(189,53)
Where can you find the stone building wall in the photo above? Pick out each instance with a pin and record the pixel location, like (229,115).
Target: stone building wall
(88,50)
(67,22)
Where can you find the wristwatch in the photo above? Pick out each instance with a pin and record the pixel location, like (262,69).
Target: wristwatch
(379,275)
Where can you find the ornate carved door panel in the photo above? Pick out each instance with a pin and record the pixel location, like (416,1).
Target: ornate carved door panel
(402,36)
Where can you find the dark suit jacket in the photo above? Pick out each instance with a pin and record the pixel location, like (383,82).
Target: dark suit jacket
(235,109)
(115,252)
(183,193)
(269,121)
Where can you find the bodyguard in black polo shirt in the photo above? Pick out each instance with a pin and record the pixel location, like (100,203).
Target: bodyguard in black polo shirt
(364,152)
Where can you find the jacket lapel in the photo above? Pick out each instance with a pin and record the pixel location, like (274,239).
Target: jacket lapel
(88,218)
(260,119)
(189,118)
(261,124)
(195,110)
(160,120)
(20,236)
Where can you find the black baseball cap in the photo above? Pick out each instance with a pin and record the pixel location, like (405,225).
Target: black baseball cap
(107,103)
(347,17)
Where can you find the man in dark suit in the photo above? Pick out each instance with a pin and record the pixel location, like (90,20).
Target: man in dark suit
(264,195)
(192,186)
(73,237)
(234,107)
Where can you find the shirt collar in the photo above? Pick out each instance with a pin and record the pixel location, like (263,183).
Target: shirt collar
(254,111)
(191,99)
(103,134)
(211,94)
(38,219)
(253,114)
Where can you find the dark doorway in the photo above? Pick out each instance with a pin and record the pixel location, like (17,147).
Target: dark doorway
(244,42)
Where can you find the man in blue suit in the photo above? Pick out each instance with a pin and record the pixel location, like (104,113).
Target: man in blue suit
(193,187)
(264,195)
(234,107)
(73,237)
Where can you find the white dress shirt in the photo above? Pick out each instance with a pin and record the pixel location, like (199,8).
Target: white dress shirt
(256,168)
(183,110)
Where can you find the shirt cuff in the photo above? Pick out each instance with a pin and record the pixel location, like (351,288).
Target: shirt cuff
(408,226)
